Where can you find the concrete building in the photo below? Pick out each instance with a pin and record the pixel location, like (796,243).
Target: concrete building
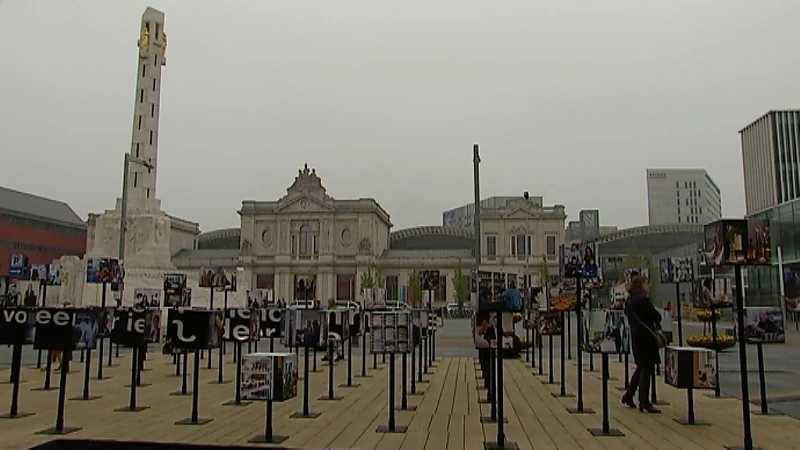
(463,216)
(770,156)
(682,196)
(307,234)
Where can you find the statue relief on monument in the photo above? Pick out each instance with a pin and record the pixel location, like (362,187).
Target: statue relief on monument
(144,39)
(365,246)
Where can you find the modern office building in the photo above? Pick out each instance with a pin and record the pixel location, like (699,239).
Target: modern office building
(770,158)
(682,196)
(462,217)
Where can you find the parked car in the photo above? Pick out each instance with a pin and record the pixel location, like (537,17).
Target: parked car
(348,304)
(303,304)
(397,305)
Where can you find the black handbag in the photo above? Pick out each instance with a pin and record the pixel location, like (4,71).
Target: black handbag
(660,337)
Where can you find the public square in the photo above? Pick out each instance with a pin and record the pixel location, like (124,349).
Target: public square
(447,415)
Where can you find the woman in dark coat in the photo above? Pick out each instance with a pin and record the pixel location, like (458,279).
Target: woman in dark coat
(644,319)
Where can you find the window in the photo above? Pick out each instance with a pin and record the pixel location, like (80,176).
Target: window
(147,25)
(155,61)
(137,149)
(392,288)
(679,210)
(154,84)
(141,96)
(677,185)
(158,29)
(135,179)
(144,70)
(307,241)
(491,246)
(265,281)
(345,287)
(551,245)
(151,137)
(679,219)
(518,244)
(140,122)
(148,192)
(153,110)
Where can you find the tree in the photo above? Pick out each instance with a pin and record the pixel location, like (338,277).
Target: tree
(367,281)
(414,289)
(636,259)
(544,277)
(460,286)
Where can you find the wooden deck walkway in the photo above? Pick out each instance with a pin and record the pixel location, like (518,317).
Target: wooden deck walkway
(447,415)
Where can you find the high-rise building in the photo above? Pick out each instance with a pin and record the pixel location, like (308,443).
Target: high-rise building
(770,158)
(462,217)
(681,196)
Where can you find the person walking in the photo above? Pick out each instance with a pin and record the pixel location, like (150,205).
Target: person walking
(644,320)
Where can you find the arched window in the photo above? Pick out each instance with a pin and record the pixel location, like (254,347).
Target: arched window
(306,238)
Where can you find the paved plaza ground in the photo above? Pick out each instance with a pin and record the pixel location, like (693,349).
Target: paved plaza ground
(447,415)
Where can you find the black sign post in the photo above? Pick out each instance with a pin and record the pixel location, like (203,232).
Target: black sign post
(350,383)
(85,396)
(500,442)
(184,387)
(48,374)
(306,413)
(132,406)
(16,368)
(563,372)
(237,400)
(391,427)
(331,395)
(606,429)
(194,419)
(60,428)
(195,330)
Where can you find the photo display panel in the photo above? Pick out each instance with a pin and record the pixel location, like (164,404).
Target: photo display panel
(689,367)
(676,270)
(391,332)
(764,325)
(194,329)
(606,331)
(550,323)
(271,321)
(269,376)
(66,329)
(737,242)
(174,290)
(17,326)
(241,325)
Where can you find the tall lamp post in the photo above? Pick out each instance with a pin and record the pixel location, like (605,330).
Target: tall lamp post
(123,214)
(476,177)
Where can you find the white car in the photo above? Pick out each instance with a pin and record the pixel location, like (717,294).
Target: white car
(303,304)
(348,304)
(397,305)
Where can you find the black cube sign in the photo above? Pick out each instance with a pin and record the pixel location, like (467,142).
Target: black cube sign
(16,325)
(194,329)
(240,325)
(55,329)
(271,322)
(128,329)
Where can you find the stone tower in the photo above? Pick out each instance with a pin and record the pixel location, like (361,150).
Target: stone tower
(147,243)
(152,45)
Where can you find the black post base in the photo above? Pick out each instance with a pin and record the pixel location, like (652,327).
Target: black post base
(612,432)
(493,445)
(660,403)
(105,378)
(740,447)
(420,393)
(233,403)
(351,385)
(488,419)
(80,398)
(310,415)
(18,415)
(129,409)
(180,393)
(722,396)
(335,398)
(757,412)
(386,429)
(685,421)
(56,432)
(220,382)
(558,395)
(9,382)
(619,388)
(363,376)
(262,439)
(407,408)
(573,410)
(423,381)
(199,421)
(44,389)
(143,385)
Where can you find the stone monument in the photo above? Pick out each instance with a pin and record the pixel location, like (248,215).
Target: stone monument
(147,230)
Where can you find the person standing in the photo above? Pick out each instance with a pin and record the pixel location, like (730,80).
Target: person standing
(644,320)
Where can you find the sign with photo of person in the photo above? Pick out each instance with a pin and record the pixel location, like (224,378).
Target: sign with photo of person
(174,290)
(54,274)
(66,329)
(606,331)
(689,367)
(550,323)
(17,326)
(677,270)
(764,325)
(579,262)
(213,277)
(147,297)
(38,273)
(194,329)
(269,376)
(104,270)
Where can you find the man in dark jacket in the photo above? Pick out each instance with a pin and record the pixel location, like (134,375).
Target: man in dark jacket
(644,320)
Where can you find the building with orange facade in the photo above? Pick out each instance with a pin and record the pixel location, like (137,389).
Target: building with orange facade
(39,228)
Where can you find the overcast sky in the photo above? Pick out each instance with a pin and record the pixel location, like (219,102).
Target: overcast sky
(570,100)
